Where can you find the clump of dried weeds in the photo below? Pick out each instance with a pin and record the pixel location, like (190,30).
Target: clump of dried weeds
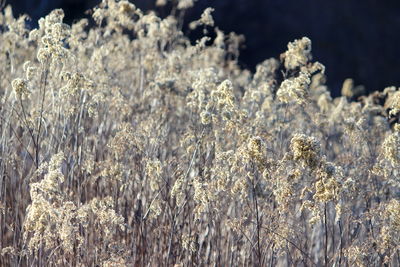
(125,144)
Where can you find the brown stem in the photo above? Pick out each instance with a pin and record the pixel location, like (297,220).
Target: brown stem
(326,236)
(258,226)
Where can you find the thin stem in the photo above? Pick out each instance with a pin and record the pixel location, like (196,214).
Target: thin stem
(258,226)
(25,121)
(326,236)
(292,243)
(341,244)
(20,141)
(43,82)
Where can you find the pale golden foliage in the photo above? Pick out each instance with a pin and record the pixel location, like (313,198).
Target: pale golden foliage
(127,144)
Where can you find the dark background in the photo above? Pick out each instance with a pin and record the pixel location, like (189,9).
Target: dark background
(353,39)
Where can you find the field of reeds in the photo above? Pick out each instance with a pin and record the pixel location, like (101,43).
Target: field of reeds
(123,143)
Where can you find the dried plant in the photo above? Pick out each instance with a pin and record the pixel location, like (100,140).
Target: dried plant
(123,143)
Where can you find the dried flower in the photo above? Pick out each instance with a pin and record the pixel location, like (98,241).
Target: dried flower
(294,89)
(185,4)
(305,148)
(206,19)
(391,148)
(298,53)
(20,87)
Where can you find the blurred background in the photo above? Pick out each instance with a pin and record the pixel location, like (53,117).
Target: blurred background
(353,39)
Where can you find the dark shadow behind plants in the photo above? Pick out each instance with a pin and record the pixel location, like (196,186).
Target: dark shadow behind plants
(127,144)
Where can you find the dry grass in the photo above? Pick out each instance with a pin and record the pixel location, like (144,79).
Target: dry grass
(124,144)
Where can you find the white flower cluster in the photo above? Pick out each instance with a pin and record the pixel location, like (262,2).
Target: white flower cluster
(295,89)
(55,33)
(298,53)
